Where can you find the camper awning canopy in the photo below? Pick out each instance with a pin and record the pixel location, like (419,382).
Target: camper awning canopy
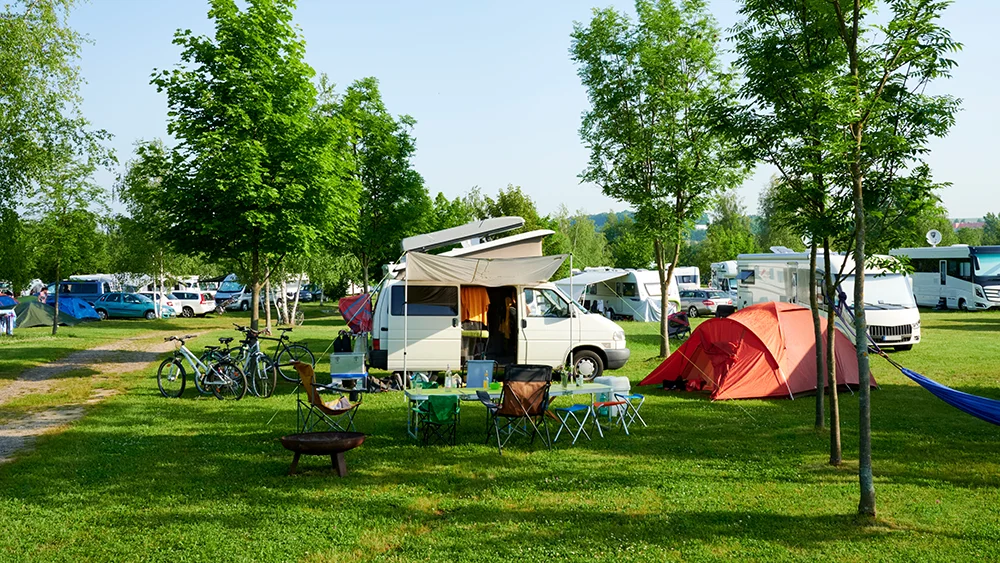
(582,280)
(488,272)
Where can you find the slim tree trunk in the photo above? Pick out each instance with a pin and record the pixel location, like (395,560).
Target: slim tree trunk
(817,335)
(55,317)
(255,286)
(664,285)
(866,505)
(267,305)
(836,454)
(295,304)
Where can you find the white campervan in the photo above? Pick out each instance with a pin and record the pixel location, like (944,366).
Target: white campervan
(958,276)
(724,277)
(621,293)
(892,314)
(494,303)
(687,277)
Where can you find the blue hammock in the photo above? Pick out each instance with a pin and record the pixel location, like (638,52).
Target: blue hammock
(979,407)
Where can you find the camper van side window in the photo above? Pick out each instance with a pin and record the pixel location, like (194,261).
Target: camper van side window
(747,277)
(628,289)
(426,300)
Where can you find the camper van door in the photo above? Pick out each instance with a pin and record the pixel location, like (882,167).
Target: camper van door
(434,335)
(545,327)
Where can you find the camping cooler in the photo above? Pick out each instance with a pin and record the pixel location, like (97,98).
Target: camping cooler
(348,373)
(619,386)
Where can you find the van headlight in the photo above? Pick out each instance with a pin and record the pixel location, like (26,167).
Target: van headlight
(915,326)
(979,292)
(618,336)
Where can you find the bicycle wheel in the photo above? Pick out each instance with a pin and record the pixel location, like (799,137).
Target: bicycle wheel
(227,381)
(265,376)
(299,318)
(208,358)
(290,355)
(170,378)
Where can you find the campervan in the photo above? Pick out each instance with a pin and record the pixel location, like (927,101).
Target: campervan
(893,317)
(724,277)
(957,277)
(437,312)
(687,277)
(621,293)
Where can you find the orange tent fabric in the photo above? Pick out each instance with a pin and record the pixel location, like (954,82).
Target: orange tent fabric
(765,350)
(475,304)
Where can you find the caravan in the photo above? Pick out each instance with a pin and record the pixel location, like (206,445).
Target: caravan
(687,277)
(724,277)
(437,312)
(958,276)
(621,293)
(893,318)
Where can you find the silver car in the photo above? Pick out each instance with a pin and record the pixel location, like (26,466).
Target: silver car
(703,301)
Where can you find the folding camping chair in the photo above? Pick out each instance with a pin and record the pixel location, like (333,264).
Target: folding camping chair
(632,407)
(573,412)
(523,404)
(314,409)
(438,418)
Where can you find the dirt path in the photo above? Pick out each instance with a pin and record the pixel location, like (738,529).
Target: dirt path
(123,356)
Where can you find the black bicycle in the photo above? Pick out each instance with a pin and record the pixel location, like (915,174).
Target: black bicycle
(287,354)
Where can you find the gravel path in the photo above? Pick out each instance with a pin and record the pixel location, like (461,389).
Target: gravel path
(123,356)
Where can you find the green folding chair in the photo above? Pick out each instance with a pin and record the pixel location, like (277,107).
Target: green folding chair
(438,419)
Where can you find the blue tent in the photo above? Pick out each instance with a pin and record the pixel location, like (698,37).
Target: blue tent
(78,308)
(7,302)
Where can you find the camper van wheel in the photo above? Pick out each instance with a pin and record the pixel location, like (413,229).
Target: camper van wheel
(610,313)
(244,306)
(962,305)
(588,363)
(692,311)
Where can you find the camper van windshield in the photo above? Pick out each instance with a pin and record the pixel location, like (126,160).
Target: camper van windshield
(230,287)
(988,265)
(653,289)
(890,289)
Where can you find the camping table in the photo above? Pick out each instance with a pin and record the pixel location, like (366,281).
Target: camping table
(414,396)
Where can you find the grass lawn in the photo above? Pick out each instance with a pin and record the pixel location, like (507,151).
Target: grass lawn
(146,478)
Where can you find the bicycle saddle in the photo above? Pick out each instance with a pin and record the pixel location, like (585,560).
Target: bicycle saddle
(211,347)
(226,339)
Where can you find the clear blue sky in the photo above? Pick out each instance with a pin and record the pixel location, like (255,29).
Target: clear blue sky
(495,95)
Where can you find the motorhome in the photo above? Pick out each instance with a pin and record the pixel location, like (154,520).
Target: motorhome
(724,277)
(621,294)
(459,308)
(892,314)
(955,277)
(687,277)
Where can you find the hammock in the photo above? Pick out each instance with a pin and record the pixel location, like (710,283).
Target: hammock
(979,407)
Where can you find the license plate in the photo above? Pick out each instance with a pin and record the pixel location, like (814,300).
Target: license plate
(891,338)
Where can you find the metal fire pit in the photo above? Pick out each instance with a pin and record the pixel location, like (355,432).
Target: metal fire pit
(333,444)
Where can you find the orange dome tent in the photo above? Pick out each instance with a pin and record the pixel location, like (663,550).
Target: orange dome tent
(765,350)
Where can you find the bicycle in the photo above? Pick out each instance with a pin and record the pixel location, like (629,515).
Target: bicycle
(223,378)
(258,367)
(287,354)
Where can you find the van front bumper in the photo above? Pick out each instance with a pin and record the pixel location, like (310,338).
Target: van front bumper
(617,358)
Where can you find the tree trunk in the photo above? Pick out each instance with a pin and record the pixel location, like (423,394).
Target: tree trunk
(836,454)
(866,505)
(267,304)
(255,286)
(295,304)
(817,334)
(159,301)
(664,304)
(55,317)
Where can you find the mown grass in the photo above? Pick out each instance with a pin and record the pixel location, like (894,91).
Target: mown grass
(145,478)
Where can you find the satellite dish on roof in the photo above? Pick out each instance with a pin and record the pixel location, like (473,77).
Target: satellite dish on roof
(933,237)
(807,240)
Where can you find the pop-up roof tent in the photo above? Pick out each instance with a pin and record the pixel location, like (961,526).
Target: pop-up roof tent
(765,350)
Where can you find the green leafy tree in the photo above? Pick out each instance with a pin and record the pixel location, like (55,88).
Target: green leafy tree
(446,213)
(16,265)
(513,202)
(729,233)
(970,236)
(654,85)
(629,247)
(257,169)
(772,227)
(588,246)
(991,229)
(393,200)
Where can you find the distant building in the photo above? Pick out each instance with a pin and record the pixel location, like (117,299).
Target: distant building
(967,223)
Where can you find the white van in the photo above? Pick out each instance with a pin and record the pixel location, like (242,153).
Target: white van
(892,314)
(525,324)
(958,276)
(724,277)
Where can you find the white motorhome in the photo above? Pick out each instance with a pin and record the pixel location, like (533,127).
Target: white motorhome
(687,277)
(958,276)
(501,309)
(621,293)
(724,276)
(892,314)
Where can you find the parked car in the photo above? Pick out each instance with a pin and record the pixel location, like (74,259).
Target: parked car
(305,296)
(167,300)
(123,305)
(703,301)
(191,302)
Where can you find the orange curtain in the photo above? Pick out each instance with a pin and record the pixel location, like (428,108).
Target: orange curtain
(475,303)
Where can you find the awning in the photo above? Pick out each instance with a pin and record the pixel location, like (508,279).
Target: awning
(488,272)
(582,280)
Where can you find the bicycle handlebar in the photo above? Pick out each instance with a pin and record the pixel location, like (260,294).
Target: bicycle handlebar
(181,338)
